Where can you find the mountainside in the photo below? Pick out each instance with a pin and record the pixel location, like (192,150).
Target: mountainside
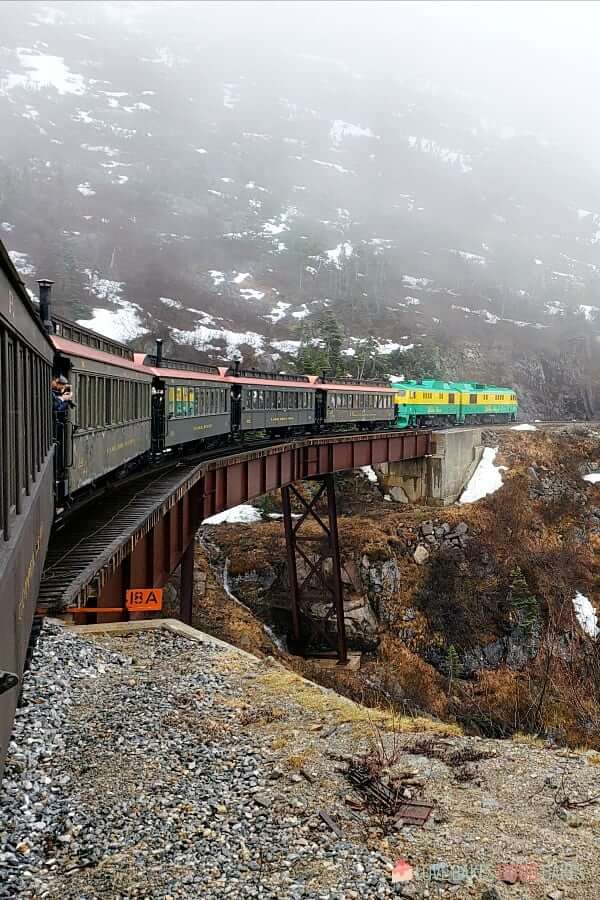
(177,180)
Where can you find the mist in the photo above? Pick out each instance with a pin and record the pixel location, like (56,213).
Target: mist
(226,174)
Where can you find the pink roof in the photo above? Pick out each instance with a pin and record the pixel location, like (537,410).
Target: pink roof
(353,388)
(271,382)
(72,348)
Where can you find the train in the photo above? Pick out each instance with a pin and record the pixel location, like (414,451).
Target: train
(430,403)
(132,410)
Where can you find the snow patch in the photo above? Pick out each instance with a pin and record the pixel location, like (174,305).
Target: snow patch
(85,189)
(241,276)
(340,130)
(486,478)
(172,304)
(523,427)
(339,253)
(21,262)
(43,71)
(200,338)
(586,615)
(369,472)
(6,226)
(278,312)
(286,346)
(592,478)
(330,165)
(217,277)
(122,324)
(250,294)
(242,514)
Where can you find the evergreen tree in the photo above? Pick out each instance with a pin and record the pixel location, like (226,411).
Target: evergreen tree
(452,662)
(332,336)
(523,602)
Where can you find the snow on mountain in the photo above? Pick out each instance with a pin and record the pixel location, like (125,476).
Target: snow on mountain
(175,186)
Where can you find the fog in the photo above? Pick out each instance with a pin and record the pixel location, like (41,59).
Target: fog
(223,173)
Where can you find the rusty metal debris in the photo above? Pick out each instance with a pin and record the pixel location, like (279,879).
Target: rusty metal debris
(386,798)
(330,823)
(414,812)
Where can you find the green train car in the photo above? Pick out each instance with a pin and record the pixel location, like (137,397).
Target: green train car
(430,402)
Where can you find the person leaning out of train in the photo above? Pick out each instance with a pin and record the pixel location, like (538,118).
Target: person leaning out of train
(67,397)
(58,386)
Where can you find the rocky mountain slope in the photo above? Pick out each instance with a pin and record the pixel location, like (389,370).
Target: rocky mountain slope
(177,178)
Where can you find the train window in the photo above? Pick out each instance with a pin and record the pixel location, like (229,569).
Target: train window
(261,399)
(473,399)
(101,403)
(171,401)
(279,399)
(108,402)
(450,398)
(178,400)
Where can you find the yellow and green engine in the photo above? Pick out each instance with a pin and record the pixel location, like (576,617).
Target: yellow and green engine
(430,402)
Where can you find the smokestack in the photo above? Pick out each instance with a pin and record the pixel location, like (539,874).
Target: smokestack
(45,287)
(158,352)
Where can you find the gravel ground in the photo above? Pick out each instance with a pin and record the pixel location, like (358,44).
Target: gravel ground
(152,766)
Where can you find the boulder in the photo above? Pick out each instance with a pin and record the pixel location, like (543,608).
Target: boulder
(421,555)
(427,528)
(460,529)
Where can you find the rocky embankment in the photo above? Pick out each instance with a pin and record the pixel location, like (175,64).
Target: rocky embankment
(164,765)
(480,613)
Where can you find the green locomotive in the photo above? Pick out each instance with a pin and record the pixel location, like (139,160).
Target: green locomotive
(430,402)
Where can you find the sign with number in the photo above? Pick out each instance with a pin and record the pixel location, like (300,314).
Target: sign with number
(144,599)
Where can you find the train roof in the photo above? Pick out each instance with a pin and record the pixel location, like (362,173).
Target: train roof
(185,371)
(78,334)
(353,387)
(305,382)
(462,386)
(73,348)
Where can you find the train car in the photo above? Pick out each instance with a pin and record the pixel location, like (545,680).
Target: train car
(26,476)
(273,402)
(429,403)
(426,402)
(190,402)
(483,404)
(354,402)
(110,425)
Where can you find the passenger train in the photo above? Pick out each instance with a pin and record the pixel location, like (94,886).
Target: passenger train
(133,409)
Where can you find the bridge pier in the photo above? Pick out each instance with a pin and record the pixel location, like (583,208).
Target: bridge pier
(439,478)
(323,573)
(186,584)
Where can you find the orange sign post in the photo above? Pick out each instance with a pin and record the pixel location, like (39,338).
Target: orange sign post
(144,599)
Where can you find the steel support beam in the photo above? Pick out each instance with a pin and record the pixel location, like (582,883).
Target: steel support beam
(323,565)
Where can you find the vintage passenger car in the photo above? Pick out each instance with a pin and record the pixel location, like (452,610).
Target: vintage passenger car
(272,403)
(26,476)
(190,401)
(359,403)
(110,425)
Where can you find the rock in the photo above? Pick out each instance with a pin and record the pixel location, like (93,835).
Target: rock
(555,895)
(427,528)
(490,803)
(460,529)
(492,893)
(531,471)
(420,555)
(351,575)
(430,539)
